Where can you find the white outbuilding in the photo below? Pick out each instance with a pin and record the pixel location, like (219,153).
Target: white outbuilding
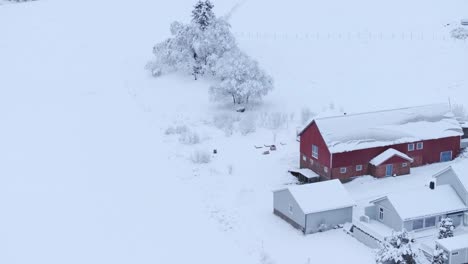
(314,207)
(456,248)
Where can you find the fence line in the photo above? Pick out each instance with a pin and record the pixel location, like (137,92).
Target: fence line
(341,36)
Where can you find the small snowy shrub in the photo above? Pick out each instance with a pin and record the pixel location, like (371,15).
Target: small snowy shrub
(247,124)
(189,138)
(459,33)
(446,228)
(177,130)
(323,227)
(225,122)
(439,256)
(200,157)
(397,249)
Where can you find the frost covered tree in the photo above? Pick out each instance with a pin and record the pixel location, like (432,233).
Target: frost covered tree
(202,14)
(439,256)
(459,33)
(446,228)
(241,78)
(397,249)
(206,46)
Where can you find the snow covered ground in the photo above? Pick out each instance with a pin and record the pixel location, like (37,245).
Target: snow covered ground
(89,175)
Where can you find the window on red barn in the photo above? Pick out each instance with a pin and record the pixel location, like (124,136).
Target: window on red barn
(420,145)
(411,147)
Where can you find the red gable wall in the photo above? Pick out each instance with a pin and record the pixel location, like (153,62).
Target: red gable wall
(313,136)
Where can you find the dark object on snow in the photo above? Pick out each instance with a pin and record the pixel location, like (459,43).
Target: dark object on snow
(215,151)
(282,144)
(464,22)
(432,185)
(257,147)
(272,147)
(241,110)
(266,152)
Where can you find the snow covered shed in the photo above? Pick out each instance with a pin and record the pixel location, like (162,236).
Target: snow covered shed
(456,248)
(417,210)
(314,207)
(343,147)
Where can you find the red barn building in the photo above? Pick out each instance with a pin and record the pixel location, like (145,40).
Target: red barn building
(383,143)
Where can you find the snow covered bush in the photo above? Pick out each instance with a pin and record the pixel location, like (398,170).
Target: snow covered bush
(206,46)
(459,33)
(226,122)
(200,157)
(397,249)
(189,138)
(176,130)
(247,124)
(446,228)
(439,256)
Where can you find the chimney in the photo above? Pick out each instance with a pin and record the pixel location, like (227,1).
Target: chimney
(432,185)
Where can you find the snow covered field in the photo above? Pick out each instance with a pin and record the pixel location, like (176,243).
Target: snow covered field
(88,173)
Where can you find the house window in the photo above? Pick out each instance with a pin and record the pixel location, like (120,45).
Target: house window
(290,209)
(358,167)
(418,224)
(454,253)
(342,170)
(381,214)
(315,151)
(420,145)
(411,147)
(404,164)
(312,161)
(430,222)
(325,169)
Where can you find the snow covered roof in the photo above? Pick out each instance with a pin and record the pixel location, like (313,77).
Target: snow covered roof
(384,156)
(425,202)
(308,173)
(321,196)
(454,243)
(388,127)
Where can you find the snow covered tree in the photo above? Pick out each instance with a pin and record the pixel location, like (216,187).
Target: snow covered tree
(202,14)
(397,249)
(241,78)
(446,228)
(206,46)
(439,256)
(459,33)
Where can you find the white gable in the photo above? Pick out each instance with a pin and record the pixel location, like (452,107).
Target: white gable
(386,155)
(385,128)
(321,196)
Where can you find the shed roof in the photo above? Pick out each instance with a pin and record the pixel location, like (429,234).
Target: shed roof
(321,196)
(384,128)
(425,202)
(386,155)
(454,243)
(308,173)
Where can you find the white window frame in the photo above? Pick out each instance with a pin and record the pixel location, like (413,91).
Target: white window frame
(343,170)
(325,169)
(311,161)
(411,147)
(304,158)
(420,145)
(404,164)
(422,226)
(359,167)
(290,208)
(435,222)
(381,214)
(315,154)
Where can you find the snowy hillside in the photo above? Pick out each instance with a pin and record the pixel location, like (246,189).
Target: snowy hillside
(90,173)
